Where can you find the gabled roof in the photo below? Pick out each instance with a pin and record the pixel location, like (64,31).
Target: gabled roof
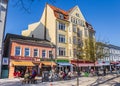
(89,25)
(58,11)
(114,46)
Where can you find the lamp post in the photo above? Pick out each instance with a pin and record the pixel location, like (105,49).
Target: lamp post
(78,54)
(51,58)
(77,69)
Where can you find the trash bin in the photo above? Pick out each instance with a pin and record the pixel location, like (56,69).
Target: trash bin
(86,74)
(45,76)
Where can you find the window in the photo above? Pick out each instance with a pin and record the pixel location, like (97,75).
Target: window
(35,52)
(78,32)
(74,52)
(71,19)
(77,14)
(43,53)
(74,28)
(50,54)
(75,21)
(91,34)
(27,52)
(17,51)
(79,42)
(61,38)
(70,52)
(61,51)
(86,33)
(74,40)
(61,16)
(70,40)
(61,26)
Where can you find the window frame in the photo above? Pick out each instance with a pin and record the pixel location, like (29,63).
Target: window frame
(61,16)
(34,52)
(15,51)
(51,54)
(62,51)
(45,54)
(25,52)
(62,26)
(62,38)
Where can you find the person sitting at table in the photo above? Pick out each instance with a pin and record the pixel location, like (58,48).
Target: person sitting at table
(34,74)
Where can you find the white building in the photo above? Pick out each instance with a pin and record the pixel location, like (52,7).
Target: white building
(113,53)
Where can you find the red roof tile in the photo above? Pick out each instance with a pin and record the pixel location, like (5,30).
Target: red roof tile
(57,11)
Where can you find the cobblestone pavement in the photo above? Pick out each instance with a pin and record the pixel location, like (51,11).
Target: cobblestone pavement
(109,80)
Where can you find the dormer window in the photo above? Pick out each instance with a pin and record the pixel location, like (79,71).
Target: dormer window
(61,16)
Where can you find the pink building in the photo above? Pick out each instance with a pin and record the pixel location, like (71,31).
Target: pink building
(27,53)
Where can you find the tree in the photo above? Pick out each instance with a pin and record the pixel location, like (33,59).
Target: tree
(21,4)
(95,50)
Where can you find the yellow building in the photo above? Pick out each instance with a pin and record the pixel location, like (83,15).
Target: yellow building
(63,28)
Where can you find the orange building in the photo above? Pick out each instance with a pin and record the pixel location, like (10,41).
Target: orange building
(27,53)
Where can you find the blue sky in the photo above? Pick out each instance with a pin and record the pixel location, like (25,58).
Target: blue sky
(104,15)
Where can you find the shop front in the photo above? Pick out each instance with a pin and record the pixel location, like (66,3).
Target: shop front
(64,65)
(47,65)
(82,65)
(19,66)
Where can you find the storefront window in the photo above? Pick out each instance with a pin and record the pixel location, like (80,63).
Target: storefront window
(27,52)
(17,51)
(35,52)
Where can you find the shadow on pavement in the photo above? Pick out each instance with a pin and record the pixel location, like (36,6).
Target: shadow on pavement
(97,82)
(117,84)
(10,84)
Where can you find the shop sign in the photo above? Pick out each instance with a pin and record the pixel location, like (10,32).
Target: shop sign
(62,61)
(46,59)
(21,58)
(5,61)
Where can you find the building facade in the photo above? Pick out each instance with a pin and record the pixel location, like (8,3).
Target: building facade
(66,29)
(3,11)
(26,52)
(113,53)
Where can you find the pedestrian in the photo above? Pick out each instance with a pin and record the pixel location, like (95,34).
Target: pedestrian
(104,71)
(34,74)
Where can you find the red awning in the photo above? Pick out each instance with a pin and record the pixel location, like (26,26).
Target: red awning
(83,64)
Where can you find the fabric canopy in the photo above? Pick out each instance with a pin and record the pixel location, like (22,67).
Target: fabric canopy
(118,65)
(23,63)
(48,63)
(64,64)
(83,64)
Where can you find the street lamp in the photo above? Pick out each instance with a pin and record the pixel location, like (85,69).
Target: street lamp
(51,56)
(78,54)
